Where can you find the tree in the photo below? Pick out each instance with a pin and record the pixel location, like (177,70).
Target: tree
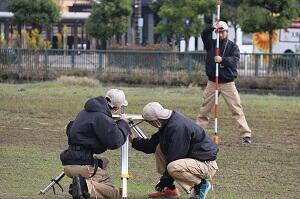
(37,13)
(108,18)
(267,16)
(181,18)
(229,12)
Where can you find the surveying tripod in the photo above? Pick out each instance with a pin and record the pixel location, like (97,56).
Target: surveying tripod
(134,120)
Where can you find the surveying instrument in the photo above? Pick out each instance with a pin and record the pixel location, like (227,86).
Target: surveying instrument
(134,121)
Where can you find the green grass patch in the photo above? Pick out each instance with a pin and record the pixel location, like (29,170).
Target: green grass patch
(33,117)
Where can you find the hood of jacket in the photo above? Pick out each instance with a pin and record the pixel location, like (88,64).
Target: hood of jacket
(97,104)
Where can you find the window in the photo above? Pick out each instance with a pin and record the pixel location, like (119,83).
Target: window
(247,39)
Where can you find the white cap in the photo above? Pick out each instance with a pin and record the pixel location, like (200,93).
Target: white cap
(154,111)
(223,25)
(116,98)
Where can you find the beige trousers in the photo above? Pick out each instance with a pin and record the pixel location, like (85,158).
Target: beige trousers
(99,186)
(233,101)
(186,172)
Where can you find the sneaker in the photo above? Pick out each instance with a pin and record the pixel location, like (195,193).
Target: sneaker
(201,190)
(79,188)
(247,140)
(167,193)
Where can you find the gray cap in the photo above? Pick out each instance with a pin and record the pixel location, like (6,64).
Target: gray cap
(154,111)
(223,25)
(116,98)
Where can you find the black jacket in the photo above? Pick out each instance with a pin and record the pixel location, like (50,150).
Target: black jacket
(179,137)
(230,57)
(93,131)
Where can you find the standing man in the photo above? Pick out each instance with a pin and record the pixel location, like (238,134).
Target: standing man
(93,132)
(228,61)
(183,152)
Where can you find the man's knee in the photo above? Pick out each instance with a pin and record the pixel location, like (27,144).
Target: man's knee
(173,168)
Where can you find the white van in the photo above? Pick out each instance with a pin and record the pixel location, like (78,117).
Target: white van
(284,41)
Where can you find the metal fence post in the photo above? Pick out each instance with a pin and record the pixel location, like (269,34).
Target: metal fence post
(256,64)
(46,58)
(73,58)
(130,62)
(294,65)
(19,58)
(157,67)
(99,61)
(189,64)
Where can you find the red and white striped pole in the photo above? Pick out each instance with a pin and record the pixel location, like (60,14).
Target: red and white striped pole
(216,137)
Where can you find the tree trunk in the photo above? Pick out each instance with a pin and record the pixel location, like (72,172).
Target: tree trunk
(19,43)
(235,32)
(186,44)
(103,45)
(270,51)
(109,43)
(173,40)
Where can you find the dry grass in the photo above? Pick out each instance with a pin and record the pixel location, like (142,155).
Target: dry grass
(82,81)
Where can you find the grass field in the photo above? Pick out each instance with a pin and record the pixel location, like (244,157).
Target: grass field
(33,116)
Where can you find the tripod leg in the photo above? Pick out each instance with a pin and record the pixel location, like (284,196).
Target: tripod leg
(124,171)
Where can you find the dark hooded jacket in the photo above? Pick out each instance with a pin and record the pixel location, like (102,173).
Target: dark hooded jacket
(93,131)
(229,52)
(179,137)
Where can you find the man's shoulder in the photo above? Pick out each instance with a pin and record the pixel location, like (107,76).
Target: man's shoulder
(180,121)
(177,116)
(231,43)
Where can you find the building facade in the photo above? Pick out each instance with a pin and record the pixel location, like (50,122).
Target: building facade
(71,28)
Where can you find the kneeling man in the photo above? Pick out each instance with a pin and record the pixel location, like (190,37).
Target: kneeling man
(184,152)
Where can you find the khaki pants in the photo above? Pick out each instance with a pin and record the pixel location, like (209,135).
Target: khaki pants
(186,172)
(233,101)
(99,186)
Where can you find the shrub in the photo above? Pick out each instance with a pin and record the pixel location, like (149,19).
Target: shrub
(73,80)
(269,83)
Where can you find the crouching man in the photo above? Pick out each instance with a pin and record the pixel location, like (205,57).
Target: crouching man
(93,132)
(184,153)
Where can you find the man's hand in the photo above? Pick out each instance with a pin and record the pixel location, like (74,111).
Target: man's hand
(218,59)
(123,117)
(216,26)
(165,181)
(131,136)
